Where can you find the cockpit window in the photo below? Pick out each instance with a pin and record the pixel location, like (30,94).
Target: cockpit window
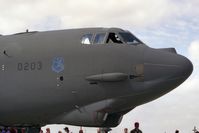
(129,38)
(113,38)
(87,39)
(99,38)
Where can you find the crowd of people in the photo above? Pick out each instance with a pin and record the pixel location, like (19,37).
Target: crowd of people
(12,130)
(134,130)
(66,130)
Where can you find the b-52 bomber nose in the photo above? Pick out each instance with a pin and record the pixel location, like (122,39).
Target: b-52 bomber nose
(166,65)
(185,67)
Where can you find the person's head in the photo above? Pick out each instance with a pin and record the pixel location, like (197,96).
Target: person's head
(5,129)
(98,130)
(177,131)
(66,129)
(12,130)
(23,130)
(136,125)
(81,131)
(48,130)
(125,130)
(59,132)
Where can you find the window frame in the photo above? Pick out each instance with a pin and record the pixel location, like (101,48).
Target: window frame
(130,43)
(91,41)
(105,37)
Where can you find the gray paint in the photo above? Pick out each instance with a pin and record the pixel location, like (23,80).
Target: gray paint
(100,83)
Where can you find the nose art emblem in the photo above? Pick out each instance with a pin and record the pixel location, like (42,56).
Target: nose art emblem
(58,64)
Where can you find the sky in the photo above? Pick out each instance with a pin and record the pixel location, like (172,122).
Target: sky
(158,23)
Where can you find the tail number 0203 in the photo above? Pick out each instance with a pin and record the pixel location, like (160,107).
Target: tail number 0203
(29,66)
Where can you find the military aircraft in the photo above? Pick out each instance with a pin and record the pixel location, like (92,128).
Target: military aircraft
(86,77)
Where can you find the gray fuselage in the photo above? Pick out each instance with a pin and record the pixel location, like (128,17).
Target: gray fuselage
(54,77)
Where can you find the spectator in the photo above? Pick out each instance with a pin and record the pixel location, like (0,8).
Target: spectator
(66,129)
(23,130)
(5,130)
(47,130)
(177,131)
(125,130)
(81,130)
(136,129)
(12,130)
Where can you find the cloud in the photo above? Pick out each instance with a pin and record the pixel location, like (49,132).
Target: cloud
(21,14)
(194,52)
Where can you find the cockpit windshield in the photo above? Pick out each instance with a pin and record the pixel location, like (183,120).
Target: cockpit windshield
(113,38)
(121,37)
(129,38)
